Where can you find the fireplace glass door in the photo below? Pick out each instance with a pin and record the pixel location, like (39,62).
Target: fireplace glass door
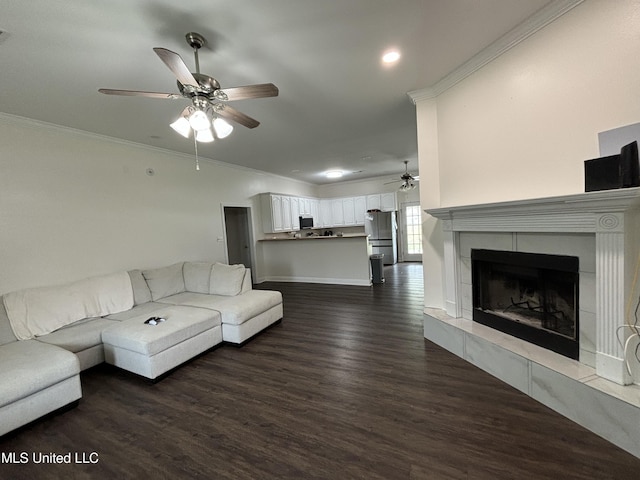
(530,296)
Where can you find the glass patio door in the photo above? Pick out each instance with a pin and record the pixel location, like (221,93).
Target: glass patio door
(411,232)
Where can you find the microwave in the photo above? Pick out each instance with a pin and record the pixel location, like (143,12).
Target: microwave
(306,222)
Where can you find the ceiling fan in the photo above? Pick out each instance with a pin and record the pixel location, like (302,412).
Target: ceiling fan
(207,113)
(408,180)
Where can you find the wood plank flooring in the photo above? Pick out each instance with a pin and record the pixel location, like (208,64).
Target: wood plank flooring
(345,388)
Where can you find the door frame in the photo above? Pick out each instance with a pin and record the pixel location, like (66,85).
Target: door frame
(252,243)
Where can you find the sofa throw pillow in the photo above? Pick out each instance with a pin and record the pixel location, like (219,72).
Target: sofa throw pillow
(165,281)
(141,292)
(197,276)
(226,279)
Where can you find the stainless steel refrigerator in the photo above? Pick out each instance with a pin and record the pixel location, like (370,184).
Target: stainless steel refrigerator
(382,230)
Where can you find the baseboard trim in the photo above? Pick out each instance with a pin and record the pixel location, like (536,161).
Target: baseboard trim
(324,280)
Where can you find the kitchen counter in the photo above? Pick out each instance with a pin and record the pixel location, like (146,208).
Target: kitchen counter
(315,237)
(342,260)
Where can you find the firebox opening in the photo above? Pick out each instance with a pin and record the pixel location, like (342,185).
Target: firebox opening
(528,295)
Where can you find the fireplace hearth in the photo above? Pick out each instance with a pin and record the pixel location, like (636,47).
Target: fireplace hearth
(530,296)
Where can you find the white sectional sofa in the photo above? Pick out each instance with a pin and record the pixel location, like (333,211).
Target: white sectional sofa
(49,335)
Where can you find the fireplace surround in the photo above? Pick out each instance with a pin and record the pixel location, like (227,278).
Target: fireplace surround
(602,229)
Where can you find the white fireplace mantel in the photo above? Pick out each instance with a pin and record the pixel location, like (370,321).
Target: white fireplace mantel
(613,216)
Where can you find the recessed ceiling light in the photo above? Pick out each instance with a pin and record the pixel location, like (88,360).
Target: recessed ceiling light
(391,56)
(334,174)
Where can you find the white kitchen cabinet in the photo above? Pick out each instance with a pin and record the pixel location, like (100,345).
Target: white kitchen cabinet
(373,202)
(276,208)
(281,213)
(360,208)
(337,213)
(388,202)
(349,211)
(305,206)
(271,212)
(287,225)
(314,209)
(385,202)
(325,213)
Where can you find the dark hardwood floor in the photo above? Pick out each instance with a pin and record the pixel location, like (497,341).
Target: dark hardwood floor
(345,388)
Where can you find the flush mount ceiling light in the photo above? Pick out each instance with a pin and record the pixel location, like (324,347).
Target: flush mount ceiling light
(207,113)
(390,57)
(334,174)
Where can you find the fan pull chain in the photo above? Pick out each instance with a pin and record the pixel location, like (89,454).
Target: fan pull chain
(195,144)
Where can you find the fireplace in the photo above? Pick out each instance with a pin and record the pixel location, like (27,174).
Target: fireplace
(528,295)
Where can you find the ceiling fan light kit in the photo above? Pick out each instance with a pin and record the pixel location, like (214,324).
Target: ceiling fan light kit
(206,115)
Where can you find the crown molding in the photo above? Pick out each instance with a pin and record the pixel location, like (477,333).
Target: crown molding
(32,123)
(543,17)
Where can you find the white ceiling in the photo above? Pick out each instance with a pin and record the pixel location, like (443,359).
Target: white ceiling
(338,108)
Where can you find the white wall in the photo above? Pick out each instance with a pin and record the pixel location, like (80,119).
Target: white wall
(522,126)
(388,183)
(74,204)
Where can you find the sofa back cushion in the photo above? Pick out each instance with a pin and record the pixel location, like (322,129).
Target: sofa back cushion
(247,283)
(165,281)
(141,292)
(197,276)
(226,280)
(6,334)
(37,311)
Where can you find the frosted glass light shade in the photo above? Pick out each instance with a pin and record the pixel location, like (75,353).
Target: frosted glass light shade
(223,129)
(204,136)
(199,120)
(182,126)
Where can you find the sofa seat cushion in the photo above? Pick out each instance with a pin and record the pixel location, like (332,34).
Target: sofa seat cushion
(147,309)
(233,310)
(181,323)
(30,366)
(188,298)
(78,336)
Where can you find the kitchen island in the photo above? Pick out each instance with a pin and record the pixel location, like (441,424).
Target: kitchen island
(332,259)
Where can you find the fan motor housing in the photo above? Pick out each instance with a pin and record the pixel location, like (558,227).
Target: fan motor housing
(206,85)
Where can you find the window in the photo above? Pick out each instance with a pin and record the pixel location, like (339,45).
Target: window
(414,230)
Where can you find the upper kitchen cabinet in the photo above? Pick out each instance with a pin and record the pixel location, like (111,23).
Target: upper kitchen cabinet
(385,202)
(325,218)
(360,205)
(296,211)
(337,213)
(278,213)
(281,213)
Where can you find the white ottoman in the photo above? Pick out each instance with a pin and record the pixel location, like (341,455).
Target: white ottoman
(151,350)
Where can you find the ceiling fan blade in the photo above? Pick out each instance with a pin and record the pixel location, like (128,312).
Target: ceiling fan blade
(249,91)
(109,91)
(230,113)
(177,66)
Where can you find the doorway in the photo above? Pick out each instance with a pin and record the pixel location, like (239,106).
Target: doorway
(410,224)
(237,224)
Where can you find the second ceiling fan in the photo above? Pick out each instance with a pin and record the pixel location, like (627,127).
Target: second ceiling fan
(408,180)
(206,96)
